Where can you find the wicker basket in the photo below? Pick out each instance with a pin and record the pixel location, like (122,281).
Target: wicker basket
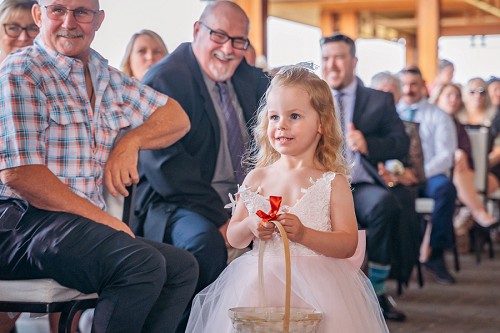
(275,319)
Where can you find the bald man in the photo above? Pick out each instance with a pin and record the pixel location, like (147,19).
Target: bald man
(183,189)
(63,108)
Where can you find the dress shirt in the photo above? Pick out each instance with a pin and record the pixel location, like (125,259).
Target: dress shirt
(223,180)
(47,117)
(438,135)
(358,172)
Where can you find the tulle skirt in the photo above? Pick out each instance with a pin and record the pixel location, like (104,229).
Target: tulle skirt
(341,292)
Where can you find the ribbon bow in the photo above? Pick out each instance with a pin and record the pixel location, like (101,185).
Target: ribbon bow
(273,213)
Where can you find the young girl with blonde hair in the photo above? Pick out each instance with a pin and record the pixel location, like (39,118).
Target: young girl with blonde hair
(299,158)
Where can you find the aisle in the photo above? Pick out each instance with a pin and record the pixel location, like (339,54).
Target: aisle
(471,305)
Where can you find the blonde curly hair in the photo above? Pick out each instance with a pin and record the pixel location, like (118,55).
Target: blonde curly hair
(329,150)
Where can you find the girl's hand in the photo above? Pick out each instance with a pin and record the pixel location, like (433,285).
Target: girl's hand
(294,228)
(261,230)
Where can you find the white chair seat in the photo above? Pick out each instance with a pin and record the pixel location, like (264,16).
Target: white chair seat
(38,290)
(424,205)
(495,195)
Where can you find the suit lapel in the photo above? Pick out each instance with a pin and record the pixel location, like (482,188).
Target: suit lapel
(359,106)
(208,105)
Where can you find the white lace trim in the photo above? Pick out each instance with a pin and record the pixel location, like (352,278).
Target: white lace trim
(313,209)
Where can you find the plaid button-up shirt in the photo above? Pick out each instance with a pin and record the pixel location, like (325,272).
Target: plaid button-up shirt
(46,116)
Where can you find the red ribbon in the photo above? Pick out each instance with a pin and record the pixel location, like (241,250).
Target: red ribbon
(273,213)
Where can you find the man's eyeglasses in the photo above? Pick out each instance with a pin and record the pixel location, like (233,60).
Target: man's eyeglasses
(221,37)
(81,15)
(14,30)
(480,91)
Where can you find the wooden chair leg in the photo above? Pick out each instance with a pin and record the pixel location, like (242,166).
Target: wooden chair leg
(490,245)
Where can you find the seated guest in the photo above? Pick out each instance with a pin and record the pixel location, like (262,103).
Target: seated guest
(403,179)
(479,111)
(494,92)
(63,107)
(445,71)
(449,99)
(144,49)
(373,133)
(17,30)
(183,189)
(439,142)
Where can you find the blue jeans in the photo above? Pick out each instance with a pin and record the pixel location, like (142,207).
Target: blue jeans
(441,189)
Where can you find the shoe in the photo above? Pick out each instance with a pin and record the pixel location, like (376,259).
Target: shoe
(484,220)
(437,268)
(389,311)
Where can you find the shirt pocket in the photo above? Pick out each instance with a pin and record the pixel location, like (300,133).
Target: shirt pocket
(69,142)
(113,123)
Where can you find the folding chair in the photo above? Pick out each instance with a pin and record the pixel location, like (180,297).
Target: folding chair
(479,137)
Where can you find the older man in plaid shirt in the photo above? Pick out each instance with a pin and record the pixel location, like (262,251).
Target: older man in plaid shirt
(62,108)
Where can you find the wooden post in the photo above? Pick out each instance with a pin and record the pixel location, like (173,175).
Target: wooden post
(428,30)
(327,26)
(411,50)
(349,24)
(257,13)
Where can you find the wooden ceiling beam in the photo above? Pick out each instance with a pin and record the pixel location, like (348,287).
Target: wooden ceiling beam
(447,22)
(485,6)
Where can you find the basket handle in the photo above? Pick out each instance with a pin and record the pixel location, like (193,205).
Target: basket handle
(288,274)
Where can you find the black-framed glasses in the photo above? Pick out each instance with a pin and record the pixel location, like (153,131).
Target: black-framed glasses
(81,15)
(15,30)
(480,91)
(219,37)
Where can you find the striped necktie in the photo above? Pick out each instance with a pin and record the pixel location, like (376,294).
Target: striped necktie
(340,103)
(235,140)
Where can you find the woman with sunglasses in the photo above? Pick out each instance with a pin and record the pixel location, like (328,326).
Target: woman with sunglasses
(479,111)
(449,99)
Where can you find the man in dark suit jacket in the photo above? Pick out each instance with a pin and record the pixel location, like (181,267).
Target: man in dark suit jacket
(373,132)
(182,191)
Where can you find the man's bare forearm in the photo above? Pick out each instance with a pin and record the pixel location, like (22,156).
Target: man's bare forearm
(167,125)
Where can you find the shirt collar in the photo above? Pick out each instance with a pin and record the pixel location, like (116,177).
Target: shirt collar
(349,90)
(403,106)
(63,64)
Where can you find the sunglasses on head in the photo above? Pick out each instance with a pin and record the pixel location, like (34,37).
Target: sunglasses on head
(480,91)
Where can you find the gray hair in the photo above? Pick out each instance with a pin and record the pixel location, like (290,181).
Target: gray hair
(385,77)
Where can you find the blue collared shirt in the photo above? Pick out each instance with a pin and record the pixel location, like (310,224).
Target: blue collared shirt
(437,133)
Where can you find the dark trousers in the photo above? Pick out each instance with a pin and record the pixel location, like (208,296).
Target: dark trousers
(377,211)
(143,286)
(408,233)
(441,189)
